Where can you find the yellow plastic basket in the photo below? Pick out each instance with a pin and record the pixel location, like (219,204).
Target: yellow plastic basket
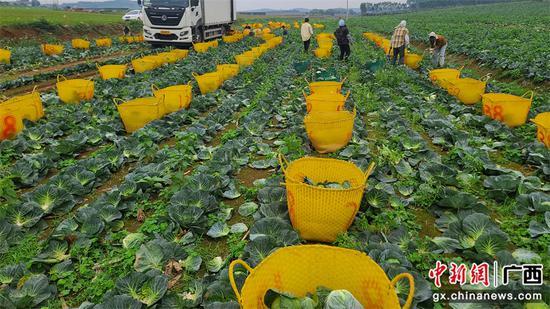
(74,90)
(325,102)
(155,58)
(5,56)
(438,75)
(467,90)
(180,53)
(201,47)
(80,44)
(135,114)
(507,108)
(250,54)
(143,65)
(112,71)
(413,60)
(214,43)
(228,71)
(244,60)
(322,53)
(105,42)
(11,124)
(542,121)
(28,106)
(329,131)
(51,49)
(299,270)
(327,87)
(175,97)
(169,57)
(325,43)
(321,214)
(208,82)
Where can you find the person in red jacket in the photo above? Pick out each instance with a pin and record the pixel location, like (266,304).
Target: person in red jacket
(438,46)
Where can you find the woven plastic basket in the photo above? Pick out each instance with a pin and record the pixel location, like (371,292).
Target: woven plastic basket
(301,269)
(321,214)
(329,131)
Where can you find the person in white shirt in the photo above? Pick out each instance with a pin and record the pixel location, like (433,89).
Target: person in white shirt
(307,33)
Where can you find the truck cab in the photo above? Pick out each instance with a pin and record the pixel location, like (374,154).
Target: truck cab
(183,22)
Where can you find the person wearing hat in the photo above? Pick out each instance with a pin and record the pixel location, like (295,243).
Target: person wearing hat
(399,41)
(307,33)
(344,39)
(438,46)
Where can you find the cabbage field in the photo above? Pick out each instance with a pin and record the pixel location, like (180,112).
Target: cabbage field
(92,216)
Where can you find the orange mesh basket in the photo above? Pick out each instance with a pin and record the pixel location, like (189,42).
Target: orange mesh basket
(321,214)
(325,102)
(509,109)
(299,270)
(542,121)
(175,97)
(28,106)
(329,131)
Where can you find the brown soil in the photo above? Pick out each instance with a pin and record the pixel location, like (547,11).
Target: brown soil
(61,32)
(33,72)
(45,85)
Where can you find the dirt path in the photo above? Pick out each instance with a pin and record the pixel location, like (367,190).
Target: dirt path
(47,84)
(30,73)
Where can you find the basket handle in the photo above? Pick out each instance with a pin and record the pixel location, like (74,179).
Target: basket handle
(34,89)
(461,68)
(369,170)
(232,276)
(97,65)
(194,74)
(347,95)
(154,88)
(305,94)
(282,162)
(486,77)
(532,94)
(58,76)
(344,80)
(454,91)
(117,101)
(408,276)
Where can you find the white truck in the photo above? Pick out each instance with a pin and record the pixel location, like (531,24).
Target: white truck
(183,22)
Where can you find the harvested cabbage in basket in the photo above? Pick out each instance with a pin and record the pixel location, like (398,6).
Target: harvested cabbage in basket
(328,184)
(322,299)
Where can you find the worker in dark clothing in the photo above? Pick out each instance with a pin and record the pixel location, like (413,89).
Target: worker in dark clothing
(126,30)
(344,40)
(285,32)
(438,46)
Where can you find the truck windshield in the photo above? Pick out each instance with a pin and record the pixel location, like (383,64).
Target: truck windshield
(167,3)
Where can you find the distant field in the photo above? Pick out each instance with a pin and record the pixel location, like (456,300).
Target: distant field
(10,16)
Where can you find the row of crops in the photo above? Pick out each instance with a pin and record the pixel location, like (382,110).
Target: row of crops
(178,213)
(20,58)
(506,36)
